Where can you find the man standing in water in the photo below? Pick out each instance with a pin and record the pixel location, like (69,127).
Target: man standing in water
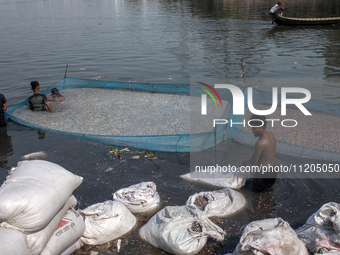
(263,155)
(3,107)
(38,102)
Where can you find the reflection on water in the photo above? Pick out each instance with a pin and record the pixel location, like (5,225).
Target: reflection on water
(164,41)
(263,205)
(6,149)
(160,41)
(41,134)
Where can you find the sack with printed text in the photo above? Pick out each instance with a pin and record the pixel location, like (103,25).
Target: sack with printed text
(40,189)
(69,230)
(38,240)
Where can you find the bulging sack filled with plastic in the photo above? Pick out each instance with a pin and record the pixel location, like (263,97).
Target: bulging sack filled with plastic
(180,230)
(138,198)
(69,230)
(321,232)
(106,221)
(217,203)
(13,242)
(37,241)
(34,192)
(269,236)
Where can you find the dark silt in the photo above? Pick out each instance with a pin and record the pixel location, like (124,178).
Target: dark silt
(294,200)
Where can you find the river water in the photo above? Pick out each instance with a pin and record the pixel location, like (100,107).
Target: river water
(164,41)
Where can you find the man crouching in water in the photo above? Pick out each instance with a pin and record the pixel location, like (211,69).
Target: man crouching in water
(263,155)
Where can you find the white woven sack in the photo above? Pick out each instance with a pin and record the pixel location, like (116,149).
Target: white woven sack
(13,242)
(69,230)
(269,236)
(106,221)
(34,192)
(72,248)
(220,202)
(322,229)
(171,230)
(37,241)
(138,198)
(233,180)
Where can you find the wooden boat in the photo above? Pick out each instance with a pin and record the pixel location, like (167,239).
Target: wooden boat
(281,20)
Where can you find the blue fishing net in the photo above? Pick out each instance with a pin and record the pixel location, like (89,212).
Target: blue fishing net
(170,143)
(189,142)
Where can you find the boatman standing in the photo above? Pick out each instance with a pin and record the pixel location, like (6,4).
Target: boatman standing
(276,7)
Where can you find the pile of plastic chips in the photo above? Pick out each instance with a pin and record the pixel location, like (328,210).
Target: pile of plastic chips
(196,227)
(201,202)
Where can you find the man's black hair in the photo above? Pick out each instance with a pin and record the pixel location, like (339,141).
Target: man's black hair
(258,120)
(278,3)
(34,84)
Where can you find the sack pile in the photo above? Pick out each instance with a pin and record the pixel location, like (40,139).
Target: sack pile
(13,242)
(37,214)
(142,197)
(33,200)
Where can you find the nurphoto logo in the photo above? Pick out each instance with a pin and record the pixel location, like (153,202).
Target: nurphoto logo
(204,98)
(239,103)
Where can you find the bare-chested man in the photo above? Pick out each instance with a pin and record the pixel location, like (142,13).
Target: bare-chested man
(263,155)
